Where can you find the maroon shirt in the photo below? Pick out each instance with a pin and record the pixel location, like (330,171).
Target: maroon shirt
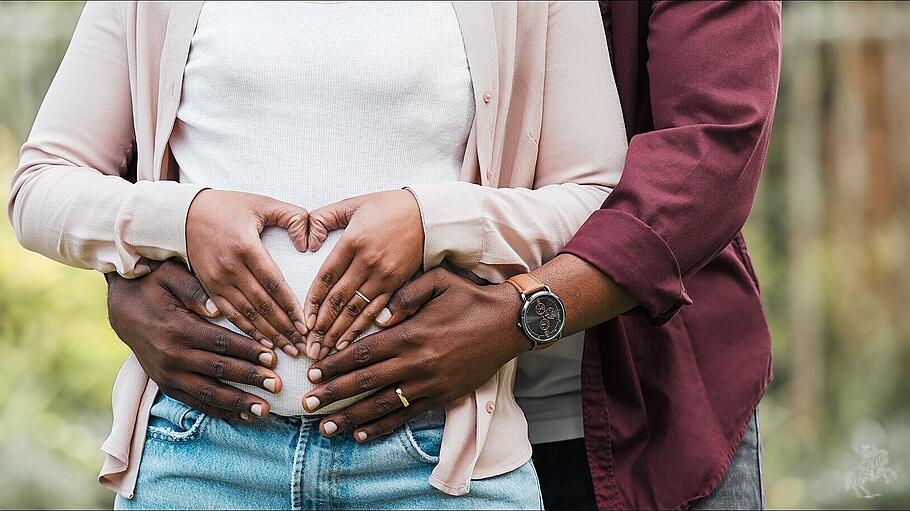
(669,388)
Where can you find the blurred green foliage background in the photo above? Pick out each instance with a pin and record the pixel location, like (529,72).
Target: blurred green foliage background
(828,236)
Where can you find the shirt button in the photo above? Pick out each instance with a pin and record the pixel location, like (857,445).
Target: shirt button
(487,96)
(490,173)
(490,407)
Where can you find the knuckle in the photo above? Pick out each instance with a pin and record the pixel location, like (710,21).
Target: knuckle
(365,380)
(272,286)
(336,302)
(384,405)
(196,291)
(386,271)
(329,394)
(221,343)
(253,377)
(327,278)
(249,312)
(217,368)
(352,310)
(237,402)
(233,317)
(362,352)
(264,307)
(348,419)
(206,395)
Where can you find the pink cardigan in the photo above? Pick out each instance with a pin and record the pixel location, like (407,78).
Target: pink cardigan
(547,146)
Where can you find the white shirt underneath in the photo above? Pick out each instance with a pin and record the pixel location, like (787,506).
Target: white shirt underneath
(313,103)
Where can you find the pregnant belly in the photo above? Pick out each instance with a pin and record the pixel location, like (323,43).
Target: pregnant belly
(299,269)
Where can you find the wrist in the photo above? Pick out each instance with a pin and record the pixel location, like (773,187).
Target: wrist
(515,340)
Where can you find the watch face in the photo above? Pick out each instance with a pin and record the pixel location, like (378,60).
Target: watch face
(543,317)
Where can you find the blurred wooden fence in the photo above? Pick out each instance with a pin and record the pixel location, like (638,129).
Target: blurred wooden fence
(844,158)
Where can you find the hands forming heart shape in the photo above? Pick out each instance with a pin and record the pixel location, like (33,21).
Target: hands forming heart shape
(353,285)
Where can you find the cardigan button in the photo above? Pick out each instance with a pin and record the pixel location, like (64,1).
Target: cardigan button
(490,173)
(487,96)
(490,407)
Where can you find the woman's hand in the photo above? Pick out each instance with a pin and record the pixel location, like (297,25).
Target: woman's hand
(381,248)
(225,251)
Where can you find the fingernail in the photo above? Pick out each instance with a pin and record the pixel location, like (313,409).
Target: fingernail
(342,345)
(384,315)
(210,307)
(314,350)
(256,409)
(315,374)
(329,427)
(301,346)
(310,321)
(266,358)
(245,416)
(269,384)
(312,403)
(267,343)
(361,436)
(290,350)
(323,352)
(300,327)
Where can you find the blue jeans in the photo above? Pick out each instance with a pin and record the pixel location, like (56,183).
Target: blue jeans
(195,461)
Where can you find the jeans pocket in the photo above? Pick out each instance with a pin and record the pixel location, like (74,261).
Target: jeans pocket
(422,436)
(173,421)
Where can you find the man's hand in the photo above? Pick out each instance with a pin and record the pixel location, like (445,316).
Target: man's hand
(158,317)
(462,335)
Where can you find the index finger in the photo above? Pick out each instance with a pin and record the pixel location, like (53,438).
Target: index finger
(272,280)
(330,272)
(370,350)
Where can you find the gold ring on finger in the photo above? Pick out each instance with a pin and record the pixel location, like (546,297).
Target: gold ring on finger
(403,399)
(362,297)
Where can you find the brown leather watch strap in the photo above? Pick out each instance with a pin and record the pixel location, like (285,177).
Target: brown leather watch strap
(526,284)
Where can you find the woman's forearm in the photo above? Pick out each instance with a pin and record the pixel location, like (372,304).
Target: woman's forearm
(499,232)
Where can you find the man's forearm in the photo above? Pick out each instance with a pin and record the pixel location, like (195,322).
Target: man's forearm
(590,296)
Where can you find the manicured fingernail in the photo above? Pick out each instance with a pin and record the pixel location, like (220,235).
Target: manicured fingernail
(310,321)
(383,316)
(314,350)
(323,352)
(301,327)
(210,307)
(361,436)
(269,384)
(329,427)
(312,403)
(256,409)
(290,350)
(267,343)
(315,374)
(266,358)
(245,416)
(301,346)
(342,345)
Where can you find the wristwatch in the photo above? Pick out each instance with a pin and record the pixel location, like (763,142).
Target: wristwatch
(543,315)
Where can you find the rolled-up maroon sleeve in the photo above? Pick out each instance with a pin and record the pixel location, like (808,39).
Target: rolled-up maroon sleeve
(689,185)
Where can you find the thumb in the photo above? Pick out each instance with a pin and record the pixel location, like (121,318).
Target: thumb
(175,278)
(329,218)
(292,218)
(412,296)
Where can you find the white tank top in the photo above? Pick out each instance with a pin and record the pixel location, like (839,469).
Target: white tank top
(311,103)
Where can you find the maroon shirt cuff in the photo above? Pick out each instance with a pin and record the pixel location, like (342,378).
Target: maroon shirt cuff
(636,258)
